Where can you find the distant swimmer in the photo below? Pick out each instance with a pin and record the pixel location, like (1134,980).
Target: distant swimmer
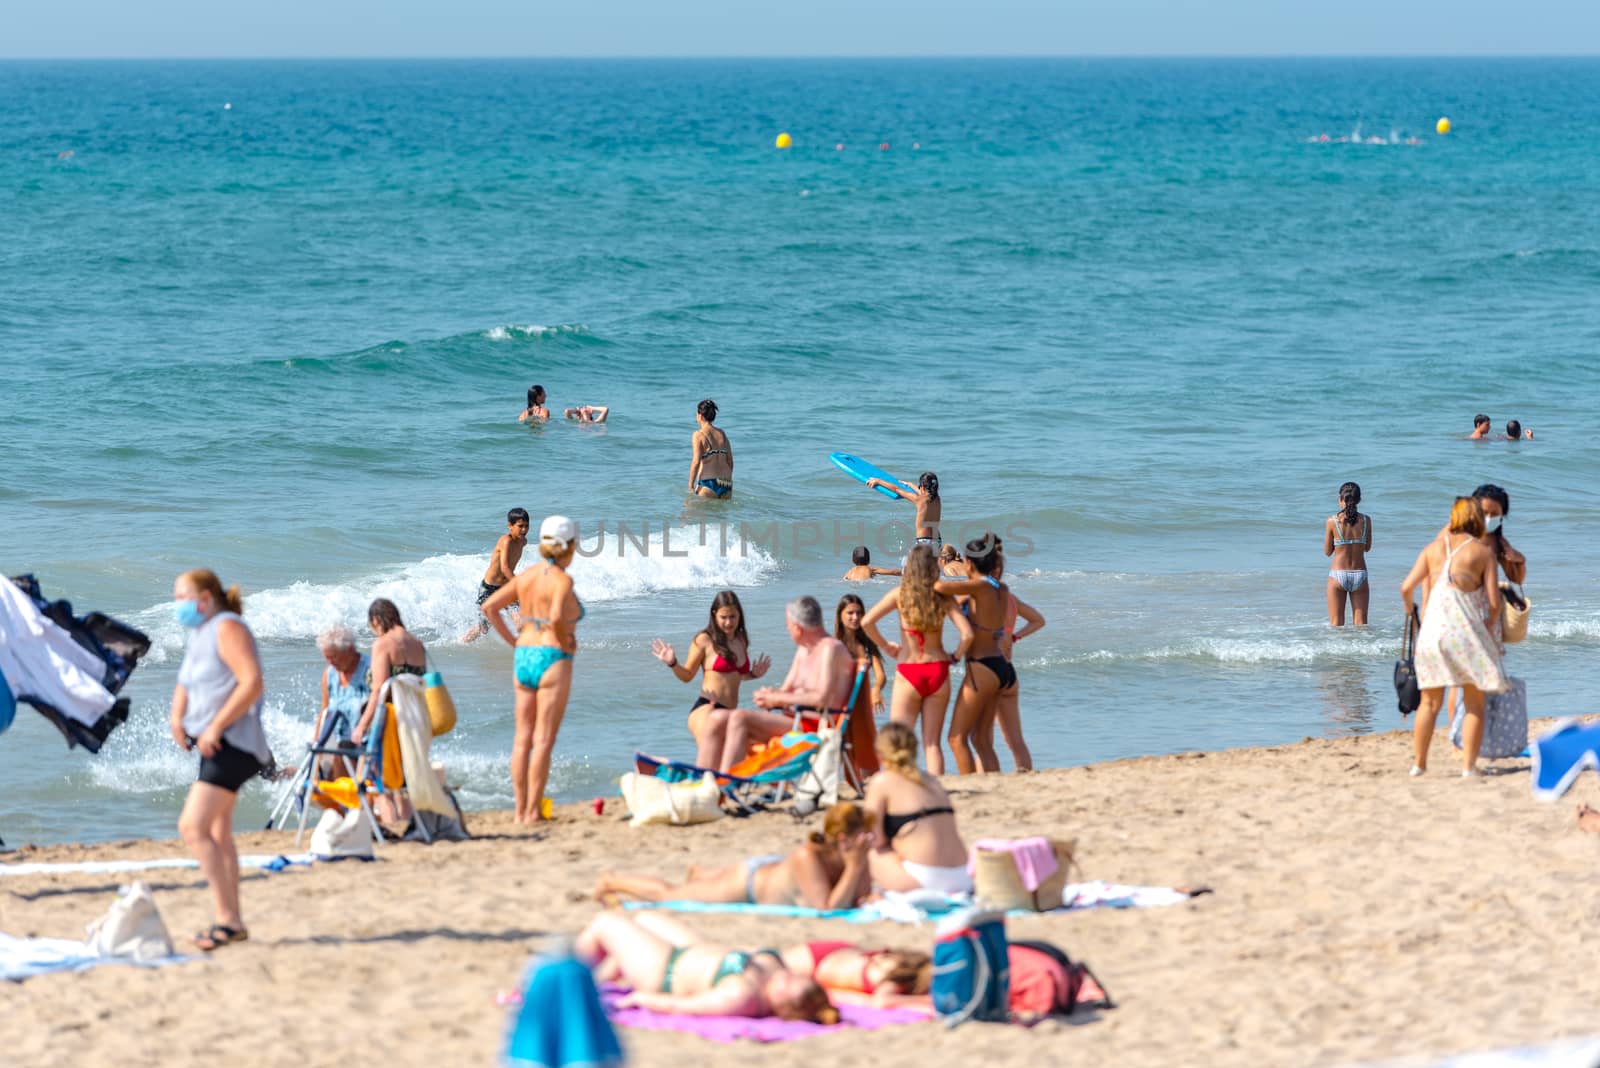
(1347,538)
(711,460)
(1480,427)
(535,411)
(863,569)
(1516,432)
(588,413)
(926,498)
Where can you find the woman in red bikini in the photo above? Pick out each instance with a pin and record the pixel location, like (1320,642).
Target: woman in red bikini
(722,650)
(847,967)
(922,669)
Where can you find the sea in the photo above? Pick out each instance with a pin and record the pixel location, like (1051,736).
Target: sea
(1142,317)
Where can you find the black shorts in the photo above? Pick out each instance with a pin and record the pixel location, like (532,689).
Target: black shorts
(230,769)
(485,591)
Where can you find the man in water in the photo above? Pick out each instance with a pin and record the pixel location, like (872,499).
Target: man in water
(819,681)
(1480,427)
(863,570)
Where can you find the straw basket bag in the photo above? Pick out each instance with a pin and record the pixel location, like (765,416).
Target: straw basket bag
(998,884)
(1514,605)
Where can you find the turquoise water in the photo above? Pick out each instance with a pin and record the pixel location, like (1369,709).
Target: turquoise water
(279,318)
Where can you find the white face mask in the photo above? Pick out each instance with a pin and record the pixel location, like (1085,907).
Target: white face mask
(1492,524)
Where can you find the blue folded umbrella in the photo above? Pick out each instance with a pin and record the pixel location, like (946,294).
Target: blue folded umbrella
(8,704)
(561,1023)
(1560,757)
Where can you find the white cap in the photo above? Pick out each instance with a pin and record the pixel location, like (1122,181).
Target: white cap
(558,532)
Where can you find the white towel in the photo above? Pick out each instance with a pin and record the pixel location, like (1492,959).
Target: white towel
(41,660)
(416,744)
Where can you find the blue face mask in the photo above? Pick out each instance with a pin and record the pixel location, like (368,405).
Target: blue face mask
(188,614)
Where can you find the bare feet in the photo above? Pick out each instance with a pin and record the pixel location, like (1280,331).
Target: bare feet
(1588,819)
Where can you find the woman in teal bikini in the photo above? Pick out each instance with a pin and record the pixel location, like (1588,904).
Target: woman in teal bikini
(711,468)
(550,612)
(1347,538)
(671,970)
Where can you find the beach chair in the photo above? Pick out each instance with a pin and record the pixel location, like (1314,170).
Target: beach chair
(377,768)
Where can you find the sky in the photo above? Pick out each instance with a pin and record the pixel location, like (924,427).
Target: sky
(664,28)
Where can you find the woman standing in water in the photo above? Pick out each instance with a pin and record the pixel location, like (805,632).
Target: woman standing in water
(535,411)
(1459,643)
(721,654)
(926,498)
(1347,538)
(986,603)
(216,708)
(922,686)
(550,612)
(711,465)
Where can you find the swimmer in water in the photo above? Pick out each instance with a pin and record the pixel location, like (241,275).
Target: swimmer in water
(1515,432)
(535,411)
(926,497)
(1480,427)
(1347,538)
(711,456)
(863,569)
(588,413)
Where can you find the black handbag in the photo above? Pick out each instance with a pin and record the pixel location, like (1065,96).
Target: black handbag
(1405,669)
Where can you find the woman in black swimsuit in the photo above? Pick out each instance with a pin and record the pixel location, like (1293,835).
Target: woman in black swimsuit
(395,651)
(986,603)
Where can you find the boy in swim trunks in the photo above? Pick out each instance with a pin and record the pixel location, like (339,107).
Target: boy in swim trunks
(502,564)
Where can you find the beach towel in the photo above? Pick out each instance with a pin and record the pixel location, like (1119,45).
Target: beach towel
(560,1022)
(23,958)
(920,906)
(1560,756)
(765,1029)
(415,729)
(258,861)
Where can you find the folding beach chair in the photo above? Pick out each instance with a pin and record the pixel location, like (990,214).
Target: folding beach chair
(375,769)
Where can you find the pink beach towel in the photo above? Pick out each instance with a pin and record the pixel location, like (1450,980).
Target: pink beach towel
(1035,857)
(765,1029)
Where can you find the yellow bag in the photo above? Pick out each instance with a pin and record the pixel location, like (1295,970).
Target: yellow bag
(441,709)
(1514,605)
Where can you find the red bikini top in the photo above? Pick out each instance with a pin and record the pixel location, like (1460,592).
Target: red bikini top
(723,666)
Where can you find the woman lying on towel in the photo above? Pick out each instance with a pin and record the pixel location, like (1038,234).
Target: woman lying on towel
(671,970)
(920,846)
(848,968)
(827,871)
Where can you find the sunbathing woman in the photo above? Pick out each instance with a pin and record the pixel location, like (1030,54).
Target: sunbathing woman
(722,653)
(672,970)
(926,498)
(826,871)
(845,967)
(986,603)
(922,689)
(919,845)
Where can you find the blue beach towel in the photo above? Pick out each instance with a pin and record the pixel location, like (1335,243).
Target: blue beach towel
(1561,755)
(561,1023)
(24,958)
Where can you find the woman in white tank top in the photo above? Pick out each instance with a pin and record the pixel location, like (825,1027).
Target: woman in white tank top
(216,708)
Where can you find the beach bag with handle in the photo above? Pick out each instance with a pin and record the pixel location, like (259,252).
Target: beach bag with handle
(1406,689)
(971,972)
(441,709)
(1514,605)
(1505,722)
(997,884)
(653,800)
(131,928)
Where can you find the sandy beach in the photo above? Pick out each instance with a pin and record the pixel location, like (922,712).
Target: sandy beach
(1357,915)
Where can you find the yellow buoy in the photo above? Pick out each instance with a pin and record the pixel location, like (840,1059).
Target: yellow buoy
(784,140)
(1443,126)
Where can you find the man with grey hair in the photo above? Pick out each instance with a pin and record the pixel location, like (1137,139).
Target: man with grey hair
(345,686)
(818,683)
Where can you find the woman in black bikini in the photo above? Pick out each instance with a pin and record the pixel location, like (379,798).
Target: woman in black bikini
(986,602)
(711,467)
(395,651)
(919,845)
(721,654)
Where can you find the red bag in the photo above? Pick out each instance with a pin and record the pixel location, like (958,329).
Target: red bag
(1045,982)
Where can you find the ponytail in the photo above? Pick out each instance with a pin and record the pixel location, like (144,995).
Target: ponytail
(1349,496)
(204,579)
(897,750)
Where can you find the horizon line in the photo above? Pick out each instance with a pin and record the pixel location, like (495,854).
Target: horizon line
(797,57)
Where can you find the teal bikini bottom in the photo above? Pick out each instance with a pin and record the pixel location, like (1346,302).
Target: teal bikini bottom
(534,660)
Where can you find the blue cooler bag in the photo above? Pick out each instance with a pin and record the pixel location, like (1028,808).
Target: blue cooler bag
(971,976)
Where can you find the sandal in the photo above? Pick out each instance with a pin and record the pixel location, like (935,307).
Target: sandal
(218,936)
